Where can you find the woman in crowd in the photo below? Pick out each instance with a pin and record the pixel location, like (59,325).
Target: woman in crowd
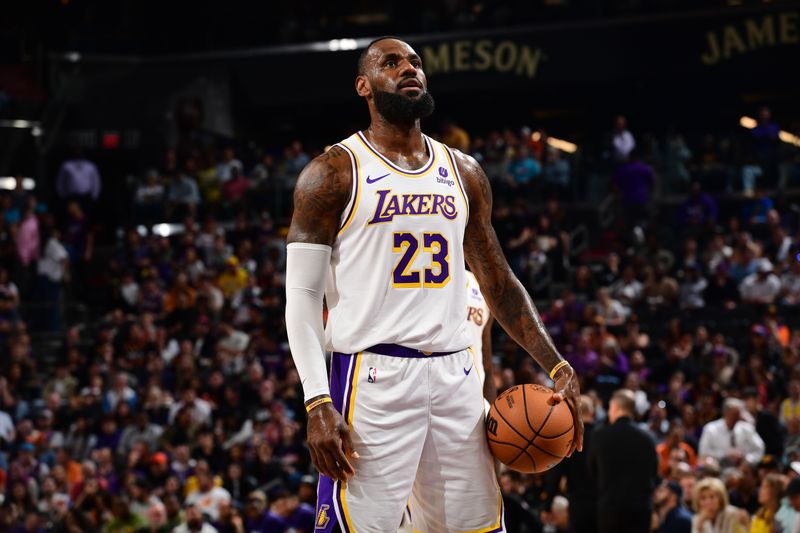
(713,513)
(769,497)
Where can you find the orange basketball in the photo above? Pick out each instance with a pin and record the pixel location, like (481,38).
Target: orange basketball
(526,432)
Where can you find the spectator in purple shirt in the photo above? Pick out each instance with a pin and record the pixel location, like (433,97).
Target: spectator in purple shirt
(699,210)
(635,180)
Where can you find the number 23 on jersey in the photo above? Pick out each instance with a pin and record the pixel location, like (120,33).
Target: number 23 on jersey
(436,275)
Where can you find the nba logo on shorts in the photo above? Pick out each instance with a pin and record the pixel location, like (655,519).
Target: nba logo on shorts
(372,375)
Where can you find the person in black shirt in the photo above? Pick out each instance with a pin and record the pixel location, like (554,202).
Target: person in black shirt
(581,490)
(624,465)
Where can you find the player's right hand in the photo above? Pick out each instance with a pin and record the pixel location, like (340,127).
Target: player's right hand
(330,443)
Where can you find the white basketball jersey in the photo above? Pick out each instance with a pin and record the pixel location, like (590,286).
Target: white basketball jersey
(397,268)
(477,316)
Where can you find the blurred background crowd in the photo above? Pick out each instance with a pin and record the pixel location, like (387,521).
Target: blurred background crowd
(146,382)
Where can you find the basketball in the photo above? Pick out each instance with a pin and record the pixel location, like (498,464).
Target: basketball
(527,433)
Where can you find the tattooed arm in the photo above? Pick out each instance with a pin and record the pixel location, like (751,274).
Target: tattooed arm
(509,302)
(321,195)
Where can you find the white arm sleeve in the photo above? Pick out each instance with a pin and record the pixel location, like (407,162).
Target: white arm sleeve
(306,272)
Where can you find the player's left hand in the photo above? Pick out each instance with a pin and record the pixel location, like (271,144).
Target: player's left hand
(567,389)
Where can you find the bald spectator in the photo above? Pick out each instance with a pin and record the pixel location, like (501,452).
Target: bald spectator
(731,439)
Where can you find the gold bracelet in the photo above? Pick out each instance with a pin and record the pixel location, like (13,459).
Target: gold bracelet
(558,367)
(317,403)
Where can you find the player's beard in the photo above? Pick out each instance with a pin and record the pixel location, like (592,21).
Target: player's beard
(399,108)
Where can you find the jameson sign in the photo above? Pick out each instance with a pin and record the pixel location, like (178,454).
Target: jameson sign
(751,34)
(482,55)
(754,46)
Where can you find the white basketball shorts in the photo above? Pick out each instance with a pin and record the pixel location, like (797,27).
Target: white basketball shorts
(417,423)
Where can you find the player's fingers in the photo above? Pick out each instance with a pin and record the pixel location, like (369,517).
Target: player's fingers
(317,461)
(347,444)
(343,446)
(328,458)
(577,425)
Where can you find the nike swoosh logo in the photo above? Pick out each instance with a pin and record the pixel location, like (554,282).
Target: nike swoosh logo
(466,372)
(370,180)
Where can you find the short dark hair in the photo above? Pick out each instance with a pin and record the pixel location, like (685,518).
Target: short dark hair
(362,57)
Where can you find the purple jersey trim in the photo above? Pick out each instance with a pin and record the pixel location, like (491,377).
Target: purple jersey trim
(340,370)
(395,350)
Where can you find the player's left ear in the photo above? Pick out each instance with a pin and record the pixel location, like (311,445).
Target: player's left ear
(363,87)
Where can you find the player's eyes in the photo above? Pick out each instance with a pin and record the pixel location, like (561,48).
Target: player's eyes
(391,64)
(416,64)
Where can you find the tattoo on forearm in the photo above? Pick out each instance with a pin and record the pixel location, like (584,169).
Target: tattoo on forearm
(508,300)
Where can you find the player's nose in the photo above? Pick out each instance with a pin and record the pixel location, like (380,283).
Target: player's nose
(407,69)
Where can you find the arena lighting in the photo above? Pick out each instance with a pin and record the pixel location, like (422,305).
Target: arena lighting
(9,183)
(785,136)
(564,146)
(559,144)
(747,122)
(19,124)
(342,44)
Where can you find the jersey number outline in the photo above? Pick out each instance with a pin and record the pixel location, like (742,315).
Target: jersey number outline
(435,276)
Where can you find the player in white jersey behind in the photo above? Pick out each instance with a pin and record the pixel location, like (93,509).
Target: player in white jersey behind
(382,226)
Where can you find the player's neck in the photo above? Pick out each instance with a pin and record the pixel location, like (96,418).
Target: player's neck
(400,138)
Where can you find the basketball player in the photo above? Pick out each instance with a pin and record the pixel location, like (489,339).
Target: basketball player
(479,328)
(383,222)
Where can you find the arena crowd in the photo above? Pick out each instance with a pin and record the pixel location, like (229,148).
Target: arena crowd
(177,407)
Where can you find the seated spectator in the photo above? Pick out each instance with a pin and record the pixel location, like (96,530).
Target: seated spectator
(612,311)
(557,173)
(235,189)
(790,407)
(770,494)
(228,165)
(675,440)
(713,513)
(761,287)
(628,290)
(149,198)
(455,136)
(731,439)
(659,289)
(722,291)
(699,210)
(194,521)
(523,169)
(208,497)
(183,196)
(790,284)
(622,140)
(635,181)
(673,517)
(692,289)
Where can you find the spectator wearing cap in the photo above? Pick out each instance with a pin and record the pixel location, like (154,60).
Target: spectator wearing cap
(761,287)
(673,517)
(770,494)
(788,516)
(713,514)
(731,438)
(624,465)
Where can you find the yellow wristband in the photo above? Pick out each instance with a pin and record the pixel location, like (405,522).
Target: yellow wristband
(317,403)
(558,367)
